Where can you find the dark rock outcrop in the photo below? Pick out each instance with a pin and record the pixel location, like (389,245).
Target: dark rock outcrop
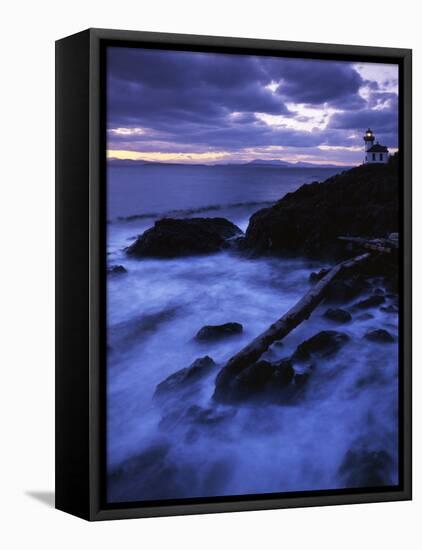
(379,335)
(214,332)
(322,344)
(362,468)
(184,378)
(170,238)
(338,315)
(358,202)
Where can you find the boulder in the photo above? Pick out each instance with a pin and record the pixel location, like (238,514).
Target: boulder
(214,332)
(170,238)
(316,276)
(379,335)
(252,381)
(372,301)
(346,289)
(301,379)
(116,270)
(358,202)
(338,315)
(184,378)
(323,344)
(261,381)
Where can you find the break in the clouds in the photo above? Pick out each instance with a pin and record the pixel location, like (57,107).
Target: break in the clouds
(206,107)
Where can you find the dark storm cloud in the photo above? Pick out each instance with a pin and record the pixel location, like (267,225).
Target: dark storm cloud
(314,82)
(210,101)
(163,87)
(384,120)
(237,135)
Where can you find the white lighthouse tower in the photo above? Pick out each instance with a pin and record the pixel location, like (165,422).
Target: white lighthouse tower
(374,152)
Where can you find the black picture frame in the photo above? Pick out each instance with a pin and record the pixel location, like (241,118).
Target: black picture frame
(80,272)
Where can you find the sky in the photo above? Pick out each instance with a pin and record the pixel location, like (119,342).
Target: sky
(195,107)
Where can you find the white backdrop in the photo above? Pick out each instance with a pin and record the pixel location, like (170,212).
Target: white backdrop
(27,274)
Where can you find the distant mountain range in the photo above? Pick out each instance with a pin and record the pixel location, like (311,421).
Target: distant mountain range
(256,162)
(285,164)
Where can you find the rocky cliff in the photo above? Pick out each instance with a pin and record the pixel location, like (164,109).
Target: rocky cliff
(363,201)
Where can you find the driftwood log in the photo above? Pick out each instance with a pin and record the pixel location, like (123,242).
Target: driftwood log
(386,246)
(281,328)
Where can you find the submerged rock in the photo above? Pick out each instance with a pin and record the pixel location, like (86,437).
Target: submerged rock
(323,344)
(195,415)
(362,468)
(116,270)
(338,315)
(209,416)
(185,377)
(125,334)
(364,317)
(151,474)
(379,335)
(214,332)
(390,309)
(170,238)
(379,291)
(145,460)
(372,301)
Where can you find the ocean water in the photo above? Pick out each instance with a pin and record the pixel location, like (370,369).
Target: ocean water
(154,449)
(201,190)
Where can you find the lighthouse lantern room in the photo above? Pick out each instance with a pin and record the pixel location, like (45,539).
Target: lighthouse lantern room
(374,152)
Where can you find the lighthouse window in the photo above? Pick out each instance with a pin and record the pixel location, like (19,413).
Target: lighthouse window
(373,156)
(380,156)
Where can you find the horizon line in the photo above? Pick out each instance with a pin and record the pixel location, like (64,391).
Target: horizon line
(234,162)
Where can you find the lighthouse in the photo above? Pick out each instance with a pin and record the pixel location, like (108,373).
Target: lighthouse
(374,152)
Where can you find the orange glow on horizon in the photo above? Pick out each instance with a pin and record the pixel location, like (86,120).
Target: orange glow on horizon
(166,157)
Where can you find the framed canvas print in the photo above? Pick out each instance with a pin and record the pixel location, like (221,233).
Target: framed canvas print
(233,274)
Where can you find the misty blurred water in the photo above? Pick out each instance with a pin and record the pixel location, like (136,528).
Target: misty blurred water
(154,312)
